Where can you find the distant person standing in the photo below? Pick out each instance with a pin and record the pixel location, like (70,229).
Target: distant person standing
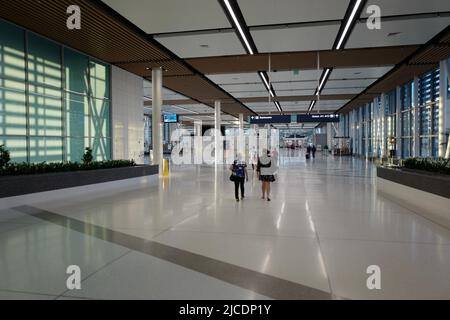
(266,173)
(239,176)
(314,150)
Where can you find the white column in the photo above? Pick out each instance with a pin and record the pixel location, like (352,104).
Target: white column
(218,145)
(384,127)
(398,125)
(416,133)
(375,129)
(443,82)
(156,118)
(198,128)
(241,142)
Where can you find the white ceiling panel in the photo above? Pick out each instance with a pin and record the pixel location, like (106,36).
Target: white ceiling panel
(295,103)
(160,16)
(232,88)
(357,83)
(261,12)
(305,92)
(342,90)
(306,38)
(417,31)
(350,73)
(251,94)
(235,78)
(293,76)
(167,94)
(399,7)
(190,46)
(295,85)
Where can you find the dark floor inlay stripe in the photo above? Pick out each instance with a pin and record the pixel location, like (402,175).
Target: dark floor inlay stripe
(261,283)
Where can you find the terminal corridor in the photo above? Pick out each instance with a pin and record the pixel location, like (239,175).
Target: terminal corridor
(187,238)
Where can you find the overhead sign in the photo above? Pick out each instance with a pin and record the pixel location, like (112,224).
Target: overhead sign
(301,118)
(270,119)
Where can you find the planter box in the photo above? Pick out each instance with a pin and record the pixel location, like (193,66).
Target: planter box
(12,186)
(427,194)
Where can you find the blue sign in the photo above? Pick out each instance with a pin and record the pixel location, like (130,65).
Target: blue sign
(170,118)
(302,118)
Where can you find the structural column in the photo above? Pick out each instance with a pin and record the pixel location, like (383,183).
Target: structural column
(218,145)
(415,96)
(443,82)
(156,118)
(398,124)
(241,141)
(384,127)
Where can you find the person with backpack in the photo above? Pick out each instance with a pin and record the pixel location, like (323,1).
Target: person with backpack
(239,175)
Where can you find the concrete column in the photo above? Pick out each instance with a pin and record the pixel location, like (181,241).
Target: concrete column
(218,145)
(398,125)
(443,107)
(156,118)
(241,141)
(416,131)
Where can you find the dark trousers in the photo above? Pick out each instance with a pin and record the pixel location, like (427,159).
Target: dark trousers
(239,182)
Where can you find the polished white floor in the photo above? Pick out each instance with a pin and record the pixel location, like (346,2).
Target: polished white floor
(325,225)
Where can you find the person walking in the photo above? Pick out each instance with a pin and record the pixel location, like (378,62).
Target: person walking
(314,150)
(239,175)
(265,172)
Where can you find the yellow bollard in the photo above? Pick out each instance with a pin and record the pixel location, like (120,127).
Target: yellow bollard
(166,168)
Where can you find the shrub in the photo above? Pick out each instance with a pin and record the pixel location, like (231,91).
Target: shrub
(41,168)
(4,156)
(426,164)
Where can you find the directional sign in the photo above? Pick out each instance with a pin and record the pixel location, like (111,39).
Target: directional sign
(270,119)
(317,118)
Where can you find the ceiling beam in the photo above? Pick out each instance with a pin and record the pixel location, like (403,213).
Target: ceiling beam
(304,60)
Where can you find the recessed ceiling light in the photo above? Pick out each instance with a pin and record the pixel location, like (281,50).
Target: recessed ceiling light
(204,46)
(357,73)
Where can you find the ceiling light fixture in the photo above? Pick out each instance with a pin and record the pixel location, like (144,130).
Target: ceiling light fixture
(348,24)
(238,25)
(325,77)
(263,76)
(278,106)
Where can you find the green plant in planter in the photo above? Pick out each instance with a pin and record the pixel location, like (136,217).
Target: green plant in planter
(88,157)
(4,156)
(426,164)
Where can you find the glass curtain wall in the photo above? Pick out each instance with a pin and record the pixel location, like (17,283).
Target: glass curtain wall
(380,125)
(54,102)
(429,113)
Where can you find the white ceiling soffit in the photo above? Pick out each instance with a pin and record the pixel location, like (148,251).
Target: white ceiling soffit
(203,45)
(311,84)
(251,94)
(294,76)
(233,78)
(402,7)
(351,73)
(162,16)
(305,38)
(357,83)
(232,88)
(302,92)
(167,94)
(415,31)
(343,90)
(261,12)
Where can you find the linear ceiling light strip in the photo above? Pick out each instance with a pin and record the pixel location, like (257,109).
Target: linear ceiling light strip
(353,12)
(236,18)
